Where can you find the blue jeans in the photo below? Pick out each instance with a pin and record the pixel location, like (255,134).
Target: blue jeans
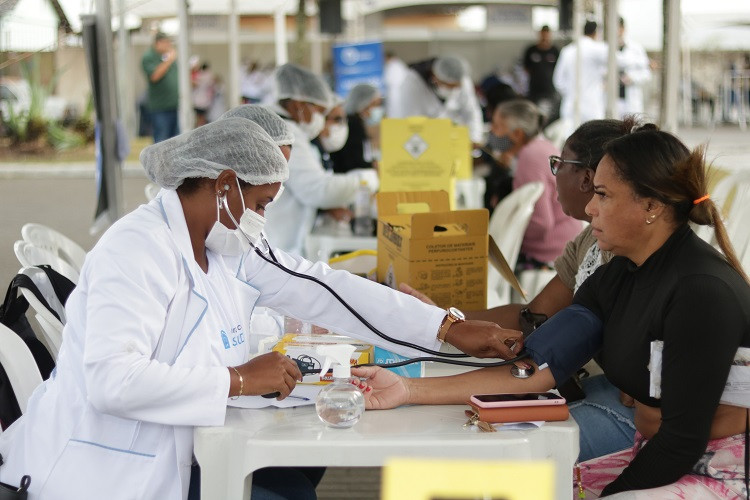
(164,124)
(605,424)
(273,483)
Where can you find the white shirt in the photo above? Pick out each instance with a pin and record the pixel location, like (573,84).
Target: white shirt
(635,66)
(310,187)
(143,360)
(593,70)
(415,98)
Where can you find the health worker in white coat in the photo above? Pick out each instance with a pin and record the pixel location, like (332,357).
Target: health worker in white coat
(439,88)
(591,100)
(303,100)
(635,73)
(155,339)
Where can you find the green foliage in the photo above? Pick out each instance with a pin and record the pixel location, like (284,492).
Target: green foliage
(63,139)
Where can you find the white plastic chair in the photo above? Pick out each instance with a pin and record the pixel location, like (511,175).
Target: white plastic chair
(151,190)
(52,326)
(470,193)
(532,282)
(19,365)
(56,242)
(507,226)
(29,254)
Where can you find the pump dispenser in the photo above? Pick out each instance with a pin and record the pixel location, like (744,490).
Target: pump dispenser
(339,404)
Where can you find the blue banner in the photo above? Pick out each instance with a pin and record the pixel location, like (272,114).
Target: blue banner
(358,63)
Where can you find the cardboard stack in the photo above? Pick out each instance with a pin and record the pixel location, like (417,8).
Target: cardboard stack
(440,252)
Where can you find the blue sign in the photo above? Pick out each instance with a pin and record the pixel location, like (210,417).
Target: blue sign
(358,63)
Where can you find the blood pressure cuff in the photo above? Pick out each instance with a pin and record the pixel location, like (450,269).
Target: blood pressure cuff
(566,341)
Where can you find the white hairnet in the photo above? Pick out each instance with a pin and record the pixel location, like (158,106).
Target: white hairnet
(269,121)
(448,69)
(360,97)
(234,143)
(298,83)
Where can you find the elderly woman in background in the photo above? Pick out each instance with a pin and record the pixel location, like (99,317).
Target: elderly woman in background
(667,297)
(516,139)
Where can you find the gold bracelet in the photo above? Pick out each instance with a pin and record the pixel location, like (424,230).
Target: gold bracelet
(242,382)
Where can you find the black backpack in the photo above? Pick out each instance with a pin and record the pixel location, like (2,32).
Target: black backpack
(13,315)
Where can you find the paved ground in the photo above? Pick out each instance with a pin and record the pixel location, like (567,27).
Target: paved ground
(63,197)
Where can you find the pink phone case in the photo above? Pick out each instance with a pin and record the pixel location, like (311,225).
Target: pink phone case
(511,404)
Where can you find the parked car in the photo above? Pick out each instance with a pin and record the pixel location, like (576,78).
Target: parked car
(16,93)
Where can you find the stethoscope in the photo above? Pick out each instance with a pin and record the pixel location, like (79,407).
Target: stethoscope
(436,356)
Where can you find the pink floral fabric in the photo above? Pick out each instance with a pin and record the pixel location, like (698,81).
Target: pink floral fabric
(719,474)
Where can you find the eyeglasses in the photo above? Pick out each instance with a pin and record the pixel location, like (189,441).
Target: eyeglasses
(555,162)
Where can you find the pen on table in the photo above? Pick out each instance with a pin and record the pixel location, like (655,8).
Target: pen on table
(301,398)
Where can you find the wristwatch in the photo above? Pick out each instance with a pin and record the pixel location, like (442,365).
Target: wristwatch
(453,316)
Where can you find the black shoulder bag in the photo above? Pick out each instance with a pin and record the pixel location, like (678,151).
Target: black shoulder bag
(8,492)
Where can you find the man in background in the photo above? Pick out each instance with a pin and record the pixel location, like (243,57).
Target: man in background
(539,61)
(593,69)
(160,68)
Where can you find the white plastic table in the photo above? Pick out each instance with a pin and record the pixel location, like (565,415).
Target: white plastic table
(253,439)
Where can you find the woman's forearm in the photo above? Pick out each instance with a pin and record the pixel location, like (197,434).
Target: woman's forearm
(457,389)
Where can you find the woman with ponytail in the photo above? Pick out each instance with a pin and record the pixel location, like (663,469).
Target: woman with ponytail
(668,317)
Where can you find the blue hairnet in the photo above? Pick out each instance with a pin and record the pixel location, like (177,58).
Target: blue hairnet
(269,121)
(360,97)
(298,83)
(448,69)
(234,143)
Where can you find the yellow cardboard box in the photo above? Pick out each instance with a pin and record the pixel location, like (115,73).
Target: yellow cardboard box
(423,154)
(439,252)
(302,347)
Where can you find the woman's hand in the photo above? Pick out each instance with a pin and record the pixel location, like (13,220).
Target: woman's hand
(407,289)
(268,373)
(484,339)
(384,389)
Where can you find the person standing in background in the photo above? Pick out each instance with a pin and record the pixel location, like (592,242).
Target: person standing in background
(203,94)
(159,65)
(635,72)
(593,68)
(539,62)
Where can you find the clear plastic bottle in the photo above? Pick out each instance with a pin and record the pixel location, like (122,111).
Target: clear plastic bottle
(362,214)
(340,404)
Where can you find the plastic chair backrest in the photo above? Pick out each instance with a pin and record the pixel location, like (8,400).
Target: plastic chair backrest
(507,226)
(29,254)
(731,195)
(52,332)
(151,190)
(19,365)
(56,242)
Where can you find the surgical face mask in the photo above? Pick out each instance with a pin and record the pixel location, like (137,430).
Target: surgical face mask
(338,133)
(251,223)
(499,144)
(314,127)
(445,93)
(222,240)
(376,115)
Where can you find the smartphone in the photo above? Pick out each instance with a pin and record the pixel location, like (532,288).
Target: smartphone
(521,399)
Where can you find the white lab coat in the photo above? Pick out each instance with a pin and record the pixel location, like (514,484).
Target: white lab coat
(310,187)
(138,368)
(634,64)
(394,72)
(415,98)
(593,70)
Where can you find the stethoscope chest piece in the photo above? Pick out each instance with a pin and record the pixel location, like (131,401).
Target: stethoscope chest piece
(519,372)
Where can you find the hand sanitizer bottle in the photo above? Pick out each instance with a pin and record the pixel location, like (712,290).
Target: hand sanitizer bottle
(339,404)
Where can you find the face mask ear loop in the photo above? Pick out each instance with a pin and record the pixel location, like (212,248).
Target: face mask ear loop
(234,221)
